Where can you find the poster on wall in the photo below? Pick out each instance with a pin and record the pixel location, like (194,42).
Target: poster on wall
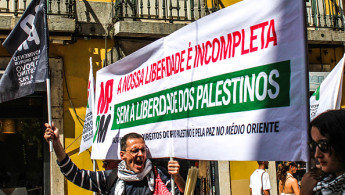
(229,86)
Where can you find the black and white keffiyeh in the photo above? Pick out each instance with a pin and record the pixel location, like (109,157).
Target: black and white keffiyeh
(127,175)
(331,185)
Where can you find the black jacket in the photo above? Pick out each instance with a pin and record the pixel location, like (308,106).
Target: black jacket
(104,182)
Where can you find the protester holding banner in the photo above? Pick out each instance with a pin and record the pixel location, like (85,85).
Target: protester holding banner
(288,185)
(135,175)
(327,134)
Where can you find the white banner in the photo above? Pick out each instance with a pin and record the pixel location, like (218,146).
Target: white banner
(230,86)
(87,137)
(328,95)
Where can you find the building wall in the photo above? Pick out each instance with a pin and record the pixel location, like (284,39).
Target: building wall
(226,3)
(240,172)
(327,56)
(76,67)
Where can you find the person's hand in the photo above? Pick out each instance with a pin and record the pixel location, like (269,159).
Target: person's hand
(173,167)
(51,132)
(174,170)
(309,181)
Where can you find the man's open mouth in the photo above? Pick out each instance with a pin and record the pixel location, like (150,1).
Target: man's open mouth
(139,163)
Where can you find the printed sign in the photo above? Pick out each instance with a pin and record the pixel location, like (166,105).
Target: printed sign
(86,140)
(230,86)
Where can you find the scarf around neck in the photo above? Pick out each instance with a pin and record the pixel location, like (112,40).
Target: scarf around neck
(127,175)
(331,185)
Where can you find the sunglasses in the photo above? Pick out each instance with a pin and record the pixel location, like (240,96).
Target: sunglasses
(323,145)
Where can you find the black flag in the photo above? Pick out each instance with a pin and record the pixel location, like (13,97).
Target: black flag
(28,45)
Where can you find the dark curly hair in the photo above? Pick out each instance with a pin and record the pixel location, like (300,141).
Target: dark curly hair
(331,124)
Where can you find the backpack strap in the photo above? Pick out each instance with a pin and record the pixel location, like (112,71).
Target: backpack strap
(262,183)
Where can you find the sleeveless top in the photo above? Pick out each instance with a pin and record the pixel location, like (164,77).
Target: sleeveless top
(288,176)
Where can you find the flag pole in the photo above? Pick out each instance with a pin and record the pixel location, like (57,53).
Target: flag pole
(49,109)
(172,182)
(171,159)
(94,169)
(306,62)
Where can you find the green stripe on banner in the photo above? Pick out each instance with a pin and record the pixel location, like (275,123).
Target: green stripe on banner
(261,87)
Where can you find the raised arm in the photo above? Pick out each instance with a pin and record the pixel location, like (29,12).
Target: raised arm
(91,180)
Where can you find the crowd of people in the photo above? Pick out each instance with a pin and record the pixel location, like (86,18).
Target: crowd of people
(136,174)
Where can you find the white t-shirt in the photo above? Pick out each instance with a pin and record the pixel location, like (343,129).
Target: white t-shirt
(256,183)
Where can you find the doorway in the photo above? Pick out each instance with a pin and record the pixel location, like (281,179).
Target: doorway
(22,147)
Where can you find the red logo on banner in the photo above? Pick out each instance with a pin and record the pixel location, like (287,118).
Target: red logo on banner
(105,97)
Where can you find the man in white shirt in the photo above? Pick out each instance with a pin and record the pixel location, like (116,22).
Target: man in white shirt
(260,180)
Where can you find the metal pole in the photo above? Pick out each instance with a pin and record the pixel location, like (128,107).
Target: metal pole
(172,182)
(105,45)
(50,123)
(49,110)
(306,62)
(94,169)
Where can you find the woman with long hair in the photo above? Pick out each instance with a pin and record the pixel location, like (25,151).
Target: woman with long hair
(327,135)
(288,185)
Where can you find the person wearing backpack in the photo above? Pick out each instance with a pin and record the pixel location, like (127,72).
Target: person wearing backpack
(260,180)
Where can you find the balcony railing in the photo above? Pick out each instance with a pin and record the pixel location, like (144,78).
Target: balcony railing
(319,13)
(167,10)
(54,7)
(325,14)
